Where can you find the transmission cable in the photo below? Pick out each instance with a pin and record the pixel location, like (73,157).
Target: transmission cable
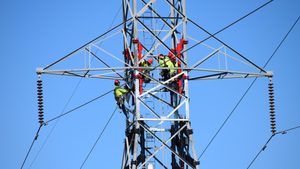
(99,137)
(57,117)
(219,40)
(221,30)
(33,141)
(84,104)
(233,110)
(265,145)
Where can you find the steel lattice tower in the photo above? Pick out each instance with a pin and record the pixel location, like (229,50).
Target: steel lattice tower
(174,123)
(158,131)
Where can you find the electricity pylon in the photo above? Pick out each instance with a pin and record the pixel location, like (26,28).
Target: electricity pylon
(158,127)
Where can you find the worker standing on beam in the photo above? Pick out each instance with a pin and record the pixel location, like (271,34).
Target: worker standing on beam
(119,94)
(163,60)
(172,65)
(146,71)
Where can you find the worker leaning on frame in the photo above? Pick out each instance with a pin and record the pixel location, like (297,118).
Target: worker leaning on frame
(169,62)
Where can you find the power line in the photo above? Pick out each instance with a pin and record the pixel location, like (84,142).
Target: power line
(221,30)
(270,138)
(84,104)
(261,150)
(219,40)
(281,42)
(57,117)
(33,141)
(228,117)
(290,129)
(88,155)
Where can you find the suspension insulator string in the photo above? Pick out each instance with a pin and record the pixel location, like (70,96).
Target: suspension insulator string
(40,100)
(272,106)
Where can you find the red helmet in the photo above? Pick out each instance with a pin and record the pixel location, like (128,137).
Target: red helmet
(117,82)
(171,56)
(150,61)
(161,56)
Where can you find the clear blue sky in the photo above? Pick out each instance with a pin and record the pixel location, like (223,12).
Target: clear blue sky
(35,33)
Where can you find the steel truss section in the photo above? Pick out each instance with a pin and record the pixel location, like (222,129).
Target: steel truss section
(175,121)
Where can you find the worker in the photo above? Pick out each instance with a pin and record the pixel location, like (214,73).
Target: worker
(172,64)
(146,72)
(119,96)
(169,62)
(163,60)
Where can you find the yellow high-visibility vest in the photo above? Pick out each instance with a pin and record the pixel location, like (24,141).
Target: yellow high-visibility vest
(119,91)
(163,62)
(171,67)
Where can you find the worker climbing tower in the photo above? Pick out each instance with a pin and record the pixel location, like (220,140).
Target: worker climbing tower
(158,131)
